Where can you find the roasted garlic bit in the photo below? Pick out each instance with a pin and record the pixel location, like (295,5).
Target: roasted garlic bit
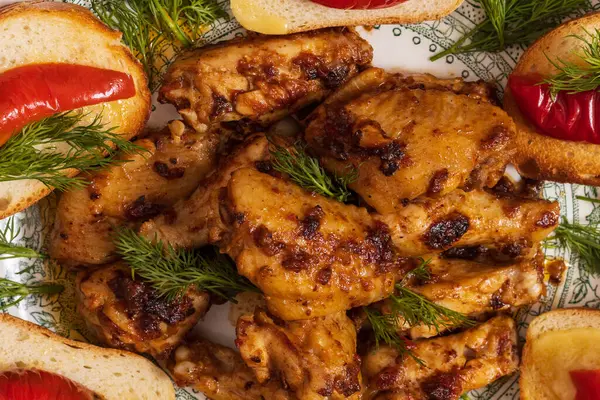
(443,368)
(220,373)
(262,78)
(314,359)
(412,136)
(127,313)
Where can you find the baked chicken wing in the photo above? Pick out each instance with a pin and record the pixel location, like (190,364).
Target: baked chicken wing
(411,136)
(452,364)
(315,358)
(262,78)
(128,314)
(130,193)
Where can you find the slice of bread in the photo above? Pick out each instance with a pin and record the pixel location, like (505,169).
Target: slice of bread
(112,374)
(50,32)
(542,157)
(557,342)
(279,17)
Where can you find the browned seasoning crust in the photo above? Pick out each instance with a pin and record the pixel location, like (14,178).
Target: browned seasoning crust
(262,78)
(129,314)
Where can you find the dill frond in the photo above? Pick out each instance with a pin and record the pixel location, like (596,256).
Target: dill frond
(173,271)
(33,153)
(582,240)
(9,250)
(306,171)
(15,292)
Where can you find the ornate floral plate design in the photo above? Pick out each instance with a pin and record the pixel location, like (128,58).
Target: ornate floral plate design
(404,48)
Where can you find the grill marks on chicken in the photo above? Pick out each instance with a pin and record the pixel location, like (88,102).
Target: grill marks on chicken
(453,364)
(262,78)
(311,256)
(314,359)
(128,314)
(128,194)
(220,373)
(411,137)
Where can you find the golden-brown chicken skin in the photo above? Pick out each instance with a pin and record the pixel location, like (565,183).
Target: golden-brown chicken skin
(196,221)
(475,288)
(409,138)
(310,255)
(220,373)
(129,193)
(315,358)
(453,364)
(262,78)
(129,314)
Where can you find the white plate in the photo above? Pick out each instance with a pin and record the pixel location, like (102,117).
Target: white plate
(400,48)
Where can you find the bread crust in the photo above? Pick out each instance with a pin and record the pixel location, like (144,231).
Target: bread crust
(129,124)
(30,332)
(337,17)
(544,157)
(559,319)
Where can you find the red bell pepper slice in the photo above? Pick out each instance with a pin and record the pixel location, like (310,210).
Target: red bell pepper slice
(569,116)
(587,383)
(40,385)
(358,4)
(37,91)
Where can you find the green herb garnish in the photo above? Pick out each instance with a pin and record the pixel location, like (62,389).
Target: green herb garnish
(584,198)
(15,292)
(155,30)
(306,171)
(582,240)
(34,152)
(173,271)
(512,22)
(9,250)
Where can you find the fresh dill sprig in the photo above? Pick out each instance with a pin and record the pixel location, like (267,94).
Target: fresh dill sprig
(407,306)
(584,198)
(156,30)
(575,77)
(307,172)
(34,152)
(511,22)
(173,271)
(9,250)
(583,240)
(15,292)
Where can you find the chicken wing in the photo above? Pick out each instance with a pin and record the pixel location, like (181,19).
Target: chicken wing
(411,137)
(453,364)
(128,314)
(129,193)
(315,358)
(220,373)
(262,78)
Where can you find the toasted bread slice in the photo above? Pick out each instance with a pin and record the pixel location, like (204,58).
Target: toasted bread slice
(543,157)
(46,32)
(111,374)
(559,341)
(279,17)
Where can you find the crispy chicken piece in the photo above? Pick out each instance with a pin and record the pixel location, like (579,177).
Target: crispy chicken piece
(453,364)
(220,373)
(128,314)
(472,218)
(129,193)
(411,137)
(196,222)
(315,358)
(475,289)
(262,78)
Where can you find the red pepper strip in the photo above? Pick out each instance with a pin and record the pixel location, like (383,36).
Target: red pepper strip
(574,117)
(587,383)
(37,91)
(40,385)
(359,4)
